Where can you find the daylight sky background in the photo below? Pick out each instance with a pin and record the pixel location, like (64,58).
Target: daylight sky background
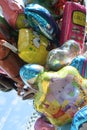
(14,112)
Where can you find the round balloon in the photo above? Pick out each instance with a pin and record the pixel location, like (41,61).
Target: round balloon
(29,72)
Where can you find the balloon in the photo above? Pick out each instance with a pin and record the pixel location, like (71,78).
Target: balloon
(29,72)
(6,32)
(80,118)
(32,47)
(45,3)
(42,124)
(60,94)
(10,63)
(15,9)
(73,23)
(59,57)
(80,63)
(41,20)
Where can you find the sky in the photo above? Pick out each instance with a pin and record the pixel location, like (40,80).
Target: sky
(15,113)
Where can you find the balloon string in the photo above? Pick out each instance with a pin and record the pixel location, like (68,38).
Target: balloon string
(11,47)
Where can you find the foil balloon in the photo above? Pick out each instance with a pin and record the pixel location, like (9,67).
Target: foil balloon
(44,3)
(41,20)
(80,118)
(29,72)
(6,32)
(4,29)
(15,9)
(76,19)
(80,63)
(59,57)
(48,4)
(60,94)
(42,124)
(10,63)
(32,47)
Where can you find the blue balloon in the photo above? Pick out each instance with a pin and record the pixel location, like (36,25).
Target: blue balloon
(30,71)
(41,20)
(80,63)
(79,119)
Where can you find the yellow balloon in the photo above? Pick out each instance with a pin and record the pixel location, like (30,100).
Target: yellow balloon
(32,47)
(60,94)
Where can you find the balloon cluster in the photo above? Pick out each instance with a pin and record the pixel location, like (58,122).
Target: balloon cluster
(43,57)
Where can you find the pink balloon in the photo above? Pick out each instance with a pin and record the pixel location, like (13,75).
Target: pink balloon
(42,124)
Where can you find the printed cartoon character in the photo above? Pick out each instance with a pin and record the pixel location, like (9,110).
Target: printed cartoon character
(60,94)
(61,97)
(63,89)
(32,47)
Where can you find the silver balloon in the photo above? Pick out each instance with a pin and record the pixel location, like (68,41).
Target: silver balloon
(59,57)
